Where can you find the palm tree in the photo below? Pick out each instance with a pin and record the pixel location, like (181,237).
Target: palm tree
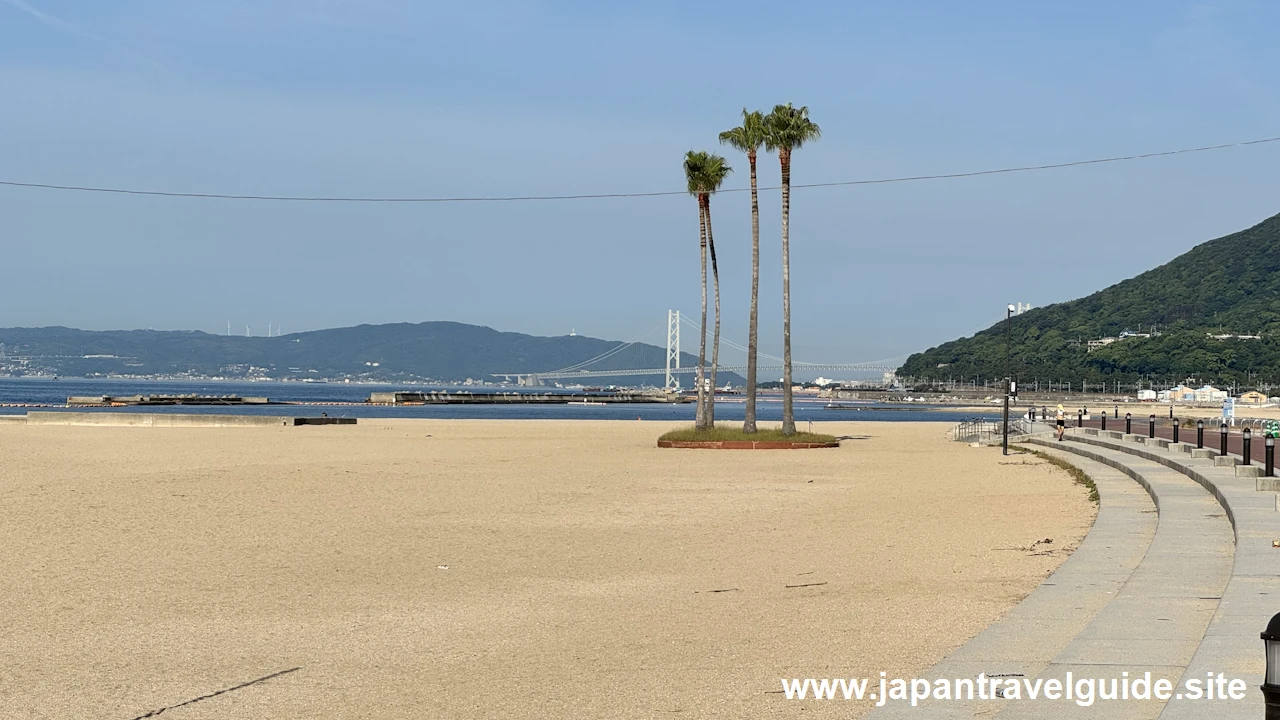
(713,174)
(748,138)
(788,129)
(694,172)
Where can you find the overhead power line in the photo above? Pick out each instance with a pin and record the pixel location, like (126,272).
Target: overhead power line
(603,196)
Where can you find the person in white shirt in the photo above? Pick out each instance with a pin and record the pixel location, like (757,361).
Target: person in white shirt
(1062,422)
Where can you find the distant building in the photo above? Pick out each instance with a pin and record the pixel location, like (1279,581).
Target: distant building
(1146,395)
(1181,393)
(1101,342)
(1253,397)
(1210,394)
(1229,336)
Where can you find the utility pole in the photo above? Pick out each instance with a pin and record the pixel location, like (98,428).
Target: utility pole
(1008,374)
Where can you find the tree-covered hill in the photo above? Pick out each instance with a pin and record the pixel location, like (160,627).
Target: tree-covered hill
(1227,286)
(442,351)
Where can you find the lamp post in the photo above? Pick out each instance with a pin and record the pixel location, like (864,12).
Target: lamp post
(1008,376)
(1271,681)
(1104,419)
(1151,427)
(1270,443)
(1199,433)
(1176,422)
(1222,433)
(1128,423)
(1248,442)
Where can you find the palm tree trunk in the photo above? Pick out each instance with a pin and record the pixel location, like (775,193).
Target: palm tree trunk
(715,337)
(788,412)
(749,420)
(701,421)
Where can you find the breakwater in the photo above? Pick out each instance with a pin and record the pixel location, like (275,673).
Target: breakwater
(514,398)
(131,400)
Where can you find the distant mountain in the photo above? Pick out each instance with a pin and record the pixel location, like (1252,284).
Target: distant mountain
(440,351)
(1228,288)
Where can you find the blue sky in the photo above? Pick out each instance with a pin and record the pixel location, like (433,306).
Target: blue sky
(403,98)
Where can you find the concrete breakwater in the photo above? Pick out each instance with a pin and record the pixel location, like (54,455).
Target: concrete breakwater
(126,400)
(128,419)
(465,398)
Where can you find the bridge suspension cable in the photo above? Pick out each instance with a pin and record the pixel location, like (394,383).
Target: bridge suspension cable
(608,353)
(767,356)
(579,370)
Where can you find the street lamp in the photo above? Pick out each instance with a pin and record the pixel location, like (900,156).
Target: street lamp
(1271,683)
(1270,442)
(1008,376)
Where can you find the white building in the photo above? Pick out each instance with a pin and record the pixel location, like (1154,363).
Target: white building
(1210,394)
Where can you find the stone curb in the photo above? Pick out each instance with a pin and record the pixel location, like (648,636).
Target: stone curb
(1038,629)
(742,445)
(1253,594)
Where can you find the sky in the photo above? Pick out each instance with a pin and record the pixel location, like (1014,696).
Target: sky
(417,98)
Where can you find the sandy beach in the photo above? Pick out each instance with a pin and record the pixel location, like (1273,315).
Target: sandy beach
(499,569)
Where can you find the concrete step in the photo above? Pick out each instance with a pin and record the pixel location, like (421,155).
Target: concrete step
(1039,628)
(1152,618)
(1159,617)
(1230,644)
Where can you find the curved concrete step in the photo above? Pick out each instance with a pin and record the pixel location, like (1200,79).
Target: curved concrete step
(1158,619)
(1040,628)
(1230,645)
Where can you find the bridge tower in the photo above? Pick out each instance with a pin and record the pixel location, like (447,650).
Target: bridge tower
(673,350)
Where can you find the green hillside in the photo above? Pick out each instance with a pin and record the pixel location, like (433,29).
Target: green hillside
(1230,286)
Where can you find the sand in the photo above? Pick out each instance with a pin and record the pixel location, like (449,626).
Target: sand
(498,569)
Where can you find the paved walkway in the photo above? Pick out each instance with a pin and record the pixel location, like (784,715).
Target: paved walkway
(1230,644)
(1179,597)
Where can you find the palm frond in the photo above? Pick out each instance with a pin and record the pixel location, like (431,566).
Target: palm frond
(789,128)
(714,173)
(750,135)
(695,165)
(704,172)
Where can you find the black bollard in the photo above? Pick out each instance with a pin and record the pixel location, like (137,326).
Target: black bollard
(1151,427)
(1128,423)
(1175,429)
(1270,442)
(1199,433)
(1248,441)
(1079,418)
(1104,419)
(1222,431)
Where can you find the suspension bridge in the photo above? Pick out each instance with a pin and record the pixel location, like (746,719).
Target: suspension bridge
(673,369)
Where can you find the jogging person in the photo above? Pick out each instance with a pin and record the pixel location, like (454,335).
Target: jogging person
(1062,422)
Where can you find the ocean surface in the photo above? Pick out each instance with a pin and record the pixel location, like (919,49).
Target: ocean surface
(333,398)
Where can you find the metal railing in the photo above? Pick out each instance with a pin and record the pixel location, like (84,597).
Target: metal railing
(984,431)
